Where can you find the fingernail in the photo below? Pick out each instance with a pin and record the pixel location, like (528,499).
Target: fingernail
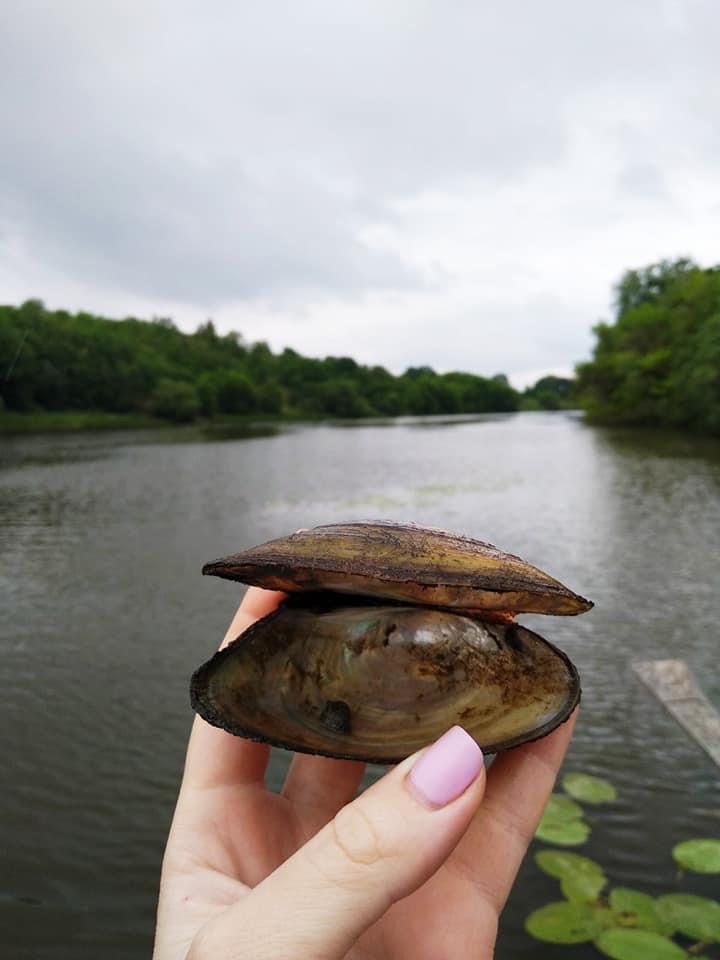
(446,769)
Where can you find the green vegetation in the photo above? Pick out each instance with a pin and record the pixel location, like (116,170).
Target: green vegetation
(622,923)
(700,856)
(42,422)
(55,362)
(562,822)
(551,393)
(589,789)
(658,364)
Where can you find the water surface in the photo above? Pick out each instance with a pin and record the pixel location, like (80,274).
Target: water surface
(105,615)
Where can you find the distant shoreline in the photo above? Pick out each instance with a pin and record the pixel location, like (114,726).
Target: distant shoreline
(86,421)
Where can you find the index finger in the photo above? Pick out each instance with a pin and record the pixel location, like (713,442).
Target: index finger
(256,603)
(214,757)
(518,786)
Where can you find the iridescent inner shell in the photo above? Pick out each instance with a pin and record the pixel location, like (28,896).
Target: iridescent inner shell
(377,683)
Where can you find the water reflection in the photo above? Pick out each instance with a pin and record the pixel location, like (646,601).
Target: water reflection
(48,450)
(242,431)
(421,422)
(20,452)
(659,443)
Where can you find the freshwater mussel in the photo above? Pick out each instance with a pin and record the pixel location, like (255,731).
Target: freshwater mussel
(391,634)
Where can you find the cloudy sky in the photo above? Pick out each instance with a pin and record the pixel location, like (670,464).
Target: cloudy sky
(408,182)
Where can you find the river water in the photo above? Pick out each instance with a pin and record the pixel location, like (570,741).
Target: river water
(104,615)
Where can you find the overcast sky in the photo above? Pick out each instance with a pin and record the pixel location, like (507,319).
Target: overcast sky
(448,182)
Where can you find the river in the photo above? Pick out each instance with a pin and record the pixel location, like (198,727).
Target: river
(105,615)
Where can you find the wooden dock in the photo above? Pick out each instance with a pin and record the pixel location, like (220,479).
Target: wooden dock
(674,685)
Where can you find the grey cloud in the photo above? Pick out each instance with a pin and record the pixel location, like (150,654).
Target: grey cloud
(139,223)
(644,180)
(231,151)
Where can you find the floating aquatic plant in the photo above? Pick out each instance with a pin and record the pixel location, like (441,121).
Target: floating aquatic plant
(562,822)
(696,917)
(589,789)
(700,856)
(638,945)
(565,922)
(635,909)
(624,924)
(581,879)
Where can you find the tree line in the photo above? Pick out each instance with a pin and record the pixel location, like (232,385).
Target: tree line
(658,363)
(59,361)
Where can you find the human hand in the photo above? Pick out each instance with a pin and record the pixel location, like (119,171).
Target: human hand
(419,865)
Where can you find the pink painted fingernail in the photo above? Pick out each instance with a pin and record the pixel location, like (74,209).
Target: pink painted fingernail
(446,769)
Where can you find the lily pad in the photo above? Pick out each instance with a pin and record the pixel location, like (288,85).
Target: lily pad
(700,856)
(589,789)
(634,909)
(562,863)
(696,917)
(582,889)
(562,808)
(570,833)
(580,878)
(564,922)
(638,945)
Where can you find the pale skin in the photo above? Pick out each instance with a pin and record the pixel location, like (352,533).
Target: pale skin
(313,874)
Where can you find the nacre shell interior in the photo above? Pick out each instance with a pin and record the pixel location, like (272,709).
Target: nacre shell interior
(380,682)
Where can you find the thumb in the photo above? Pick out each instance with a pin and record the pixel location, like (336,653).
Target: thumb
(377,850)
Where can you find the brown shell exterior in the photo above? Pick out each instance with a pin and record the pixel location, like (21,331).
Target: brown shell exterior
(401,562)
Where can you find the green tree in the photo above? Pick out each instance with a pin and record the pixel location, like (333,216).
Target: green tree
(649,284)
(550,393)
(235,393)
(270,398)
(57,360)
(207,389)
(658,364)
(175,400)
(341,398)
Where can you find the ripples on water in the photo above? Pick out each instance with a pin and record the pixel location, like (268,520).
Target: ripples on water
(105,616)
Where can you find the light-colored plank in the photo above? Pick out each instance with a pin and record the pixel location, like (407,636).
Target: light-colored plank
(674,685)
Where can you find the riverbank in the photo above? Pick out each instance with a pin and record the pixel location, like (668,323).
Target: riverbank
(70,421)
(74,420)
(654,439)
(80,421)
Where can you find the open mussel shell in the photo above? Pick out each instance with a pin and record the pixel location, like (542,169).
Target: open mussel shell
(377,683)
(401,562)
